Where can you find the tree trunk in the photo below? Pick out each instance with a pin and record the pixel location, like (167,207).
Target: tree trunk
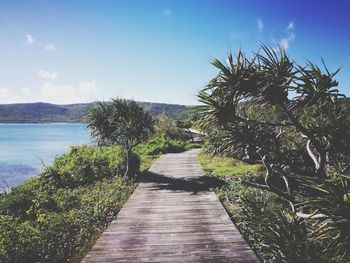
(191,135)
(127,156)
(319,161)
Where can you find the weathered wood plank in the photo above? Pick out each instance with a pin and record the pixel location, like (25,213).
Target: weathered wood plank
(173,216)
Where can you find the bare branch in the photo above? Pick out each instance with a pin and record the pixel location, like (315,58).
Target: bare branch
(280,134)
(270,189)
(312,155)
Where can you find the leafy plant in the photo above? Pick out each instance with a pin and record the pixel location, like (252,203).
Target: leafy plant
(267,109)
(121,122)
(55,216)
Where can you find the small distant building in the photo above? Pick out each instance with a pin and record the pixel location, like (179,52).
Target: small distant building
(195,136)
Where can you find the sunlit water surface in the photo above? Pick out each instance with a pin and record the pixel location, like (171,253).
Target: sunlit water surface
(24,148)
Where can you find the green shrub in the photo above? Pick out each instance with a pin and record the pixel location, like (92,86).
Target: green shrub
(84,165)
(19,241)
(18,202)
(264,219)
(161,145)
(56,216)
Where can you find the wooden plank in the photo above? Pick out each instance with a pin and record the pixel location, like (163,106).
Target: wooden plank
(173,216)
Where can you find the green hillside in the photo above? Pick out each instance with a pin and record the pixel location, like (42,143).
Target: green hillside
(46,112)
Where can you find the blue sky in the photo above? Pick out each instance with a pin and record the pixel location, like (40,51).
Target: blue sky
(158,51)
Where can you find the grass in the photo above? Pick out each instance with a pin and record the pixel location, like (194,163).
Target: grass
(146,162)
(232,171)
(233,192)
(226,167)
(263,218)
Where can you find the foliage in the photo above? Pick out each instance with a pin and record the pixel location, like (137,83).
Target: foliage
(121,122)
(46,112)
(290,118)
(165,127)
(253,212)
(55,216)
(84,165)
(303,98)
(226,167)
(160,145)
(331,201)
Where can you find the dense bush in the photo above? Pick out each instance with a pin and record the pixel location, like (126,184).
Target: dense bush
(84,164)
(120,122)
(160,145)
(263,218)
(165,127)
(55,216)
(293,120)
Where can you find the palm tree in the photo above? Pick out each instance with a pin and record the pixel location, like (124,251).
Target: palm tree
(272,79)
(122,122)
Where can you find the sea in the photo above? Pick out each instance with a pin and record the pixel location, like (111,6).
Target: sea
(26,148)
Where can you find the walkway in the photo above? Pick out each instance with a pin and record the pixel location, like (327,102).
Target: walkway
(172,217)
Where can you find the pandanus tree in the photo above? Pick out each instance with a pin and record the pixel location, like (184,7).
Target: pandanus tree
(303,99)
(294,121)
(120,122)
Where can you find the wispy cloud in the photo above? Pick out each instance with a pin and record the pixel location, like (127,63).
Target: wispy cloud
(6,96)
(285,42)
(87,86)
(167,13)
(30,40)
(45,74)
(260,25)
(85,91)
(50,47)
(64,94)
(4,92)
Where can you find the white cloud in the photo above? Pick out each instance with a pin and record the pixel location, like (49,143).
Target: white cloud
(167,13)
(260,25)
(85,91)
(285,42)
(7,97)
(45,74)
(25,91)
(87,86)
(4,93)
(65,94)
(30,39)
(50,47)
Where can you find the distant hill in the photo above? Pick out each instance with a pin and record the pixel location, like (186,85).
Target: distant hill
(46,112)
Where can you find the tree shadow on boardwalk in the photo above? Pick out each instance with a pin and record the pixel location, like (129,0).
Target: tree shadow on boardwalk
(188,184)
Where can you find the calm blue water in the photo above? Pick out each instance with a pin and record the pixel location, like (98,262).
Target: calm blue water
(23,147)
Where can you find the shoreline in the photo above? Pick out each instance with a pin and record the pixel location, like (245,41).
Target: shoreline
(49,122)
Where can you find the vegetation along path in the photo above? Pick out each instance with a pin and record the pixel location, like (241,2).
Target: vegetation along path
(172,216)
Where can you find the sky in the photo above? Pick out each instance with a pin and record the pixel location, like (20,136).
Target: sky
(150,50)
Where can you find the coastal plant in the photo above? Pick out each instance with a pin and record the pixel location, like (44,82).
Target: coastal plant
(302,101)
(161,145)
(55,216)
(58,215)
(165,127)
(267,109)
(120,122)
(83,165)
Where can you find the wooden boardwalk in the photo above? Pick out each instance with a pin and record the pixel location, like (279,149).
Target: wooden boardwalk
(172,217)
